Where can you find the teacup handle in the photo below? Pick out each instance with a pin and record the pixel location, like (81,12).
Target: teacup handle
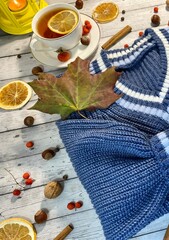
(33,46)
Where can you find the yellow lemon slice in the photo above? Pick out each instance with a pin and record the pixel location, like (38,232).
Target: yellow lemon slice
(63,22)
(17,228)
(15,95)
(105,12)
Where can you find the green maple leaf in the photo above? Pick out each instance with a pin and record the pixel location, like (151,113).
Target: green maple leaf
(75,90)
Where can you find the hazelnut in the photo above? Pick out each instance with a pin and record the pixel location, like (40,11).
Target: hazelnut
(155,19)
(28,121)
(53,189)
(40,216)
(36,70)
(50,153)
(79,4)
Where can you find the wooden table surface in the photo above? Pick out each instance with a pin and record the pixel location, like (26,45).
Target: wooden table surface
(17,159)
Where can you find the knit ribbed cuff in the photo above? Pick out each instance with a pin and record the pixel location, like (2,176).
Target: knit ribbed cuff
(100,64)
(160,144)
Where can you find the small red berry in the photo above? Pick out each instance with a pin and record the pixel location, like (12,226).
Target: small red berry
(140,34)
(126,45)
(26,175)
(29,144)
(156,9)
(89,27)
(64,56)
(16,192)
(87,22)
(78,204)
(71,205)
(85,30)
(29,181)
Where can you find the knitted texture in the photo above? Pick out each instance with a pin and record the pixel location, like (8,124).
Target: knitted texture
(121,154)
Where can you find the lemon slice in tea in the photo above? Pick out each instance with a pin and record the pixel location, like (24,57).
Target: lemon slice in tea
(15,95)
(17,228)
(105,12)
(63,22)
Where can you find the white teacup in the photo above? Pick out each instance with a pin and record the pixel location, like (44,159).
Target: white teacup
(64,42)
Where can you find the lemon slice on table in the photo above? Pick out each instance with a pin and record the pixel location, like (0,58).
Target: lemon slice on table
(63,22)
(105,12)
(17,228)
(15,95)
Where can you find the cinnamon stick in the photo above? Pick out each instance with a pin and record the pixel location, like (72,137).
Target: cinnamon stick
(114,39)
(166,236)
(64,232)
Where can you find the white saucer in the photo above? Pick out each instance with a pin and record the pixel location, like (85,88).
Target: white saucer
(50,58)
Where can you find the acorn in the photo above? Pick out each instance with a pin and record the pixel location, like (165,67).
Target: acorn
(29,121)
(49,153)
(40,216)
(53,189)
(155,19)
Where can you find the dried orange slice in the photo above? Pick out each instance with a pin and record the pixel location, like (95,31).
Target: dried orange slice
(105,12)
(15,95)
(63,22)
(17,228)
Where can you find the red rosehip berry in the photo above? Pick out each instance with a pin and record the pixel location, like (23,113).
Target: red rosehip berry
(86,22)
(26,175)
(29,181)
(78,204)
(89,27)
(71,205)
(85,30)
(16,192)
(126,45)
(64,56)
(29,144)
(156,9)
(140,34)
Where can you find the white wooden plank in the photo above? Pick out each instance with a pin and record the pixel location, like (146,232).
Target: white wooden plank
(41,170)
(27,205)
(43,136)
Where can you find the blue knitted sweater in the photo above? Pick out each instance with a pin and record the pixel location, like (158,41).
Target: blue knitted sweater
(121,154)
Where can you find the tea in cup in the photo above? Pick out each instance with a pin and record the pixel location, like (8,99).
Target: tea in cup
(57,26)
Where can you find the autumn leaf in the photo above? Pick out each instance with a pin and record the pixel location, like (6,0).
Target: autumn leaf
(75,90)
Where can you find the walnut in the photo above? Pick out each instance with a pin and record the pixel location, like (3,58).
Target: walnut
(53,189)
